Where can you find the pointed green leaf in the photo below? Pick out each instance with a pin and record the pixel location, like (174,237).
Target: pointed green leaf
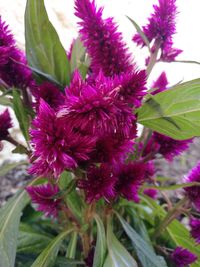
(21,114)
(141,245)
(31,241)
(9,223)
(174,112)
(48,257)
(140,32)
(117,256)
(100,250)
(43,47)
(71,250)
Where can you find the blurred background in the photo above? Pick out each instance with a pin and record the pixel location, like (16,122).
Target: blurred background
(61,13)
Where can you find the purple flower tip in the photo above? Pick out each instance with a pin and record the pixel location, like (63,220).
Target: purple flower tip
(44,196)
(152,193)
(195,229)
(193,192)
(183,257)
(5,124)
(160,84)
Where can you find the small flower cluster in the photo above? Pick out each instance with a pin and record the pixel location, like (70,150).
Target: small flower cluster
(13,66)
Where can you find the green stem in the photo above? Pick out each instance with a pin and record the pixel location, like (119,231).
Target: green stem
(153,59)
(171,215)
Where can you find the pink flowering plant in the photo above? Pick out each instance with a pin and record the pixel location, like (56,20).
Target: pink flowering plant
(94,198)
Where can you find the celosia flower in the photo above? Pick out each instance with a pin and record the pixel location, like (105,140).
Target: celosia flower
(183,257)
(13,67)
(160,84)
(99,183)
(193,192)
(132,87)
(56,146)
(44,196)
(112,149)
(130,178)
(161,28)
(104,44)
(167,146)
(152,193)
(50,94)
(96,109)
(195,229)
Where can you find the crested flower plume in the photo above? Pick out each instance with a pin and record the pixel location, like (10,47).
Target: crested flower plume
(44,196)
(95,108)
(104,43)
(56,146)
(160,28)
(130,177)
(13,66)
(99,183)
(50,94)
(166,146)
(182,257)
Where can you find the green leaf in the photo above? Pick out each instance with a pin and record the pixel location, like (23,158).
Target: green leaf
(21,114)
(4,169)
(145,250)
(31,241)
(117,256)
(9,223)
(43,47)
(100,249)
(140,32)
(64,262)
(48,257)
(176,230)
(75,204)
(174,112)
(5,101)
(78,54)
(71,250)
(171,187)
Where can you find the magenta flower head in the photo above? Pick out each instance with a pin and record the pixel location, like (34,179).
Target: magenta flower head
(104,44)
(96,109)
(5,124)
(193,192)
(182,257)
(160,84)
(132,87)
(168,147)
(130,178)
(56,146)
(99,183)
(45,197)
(152,193)
(13,66)
(195,229)
(50,94)
(161,28)
(112,149)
